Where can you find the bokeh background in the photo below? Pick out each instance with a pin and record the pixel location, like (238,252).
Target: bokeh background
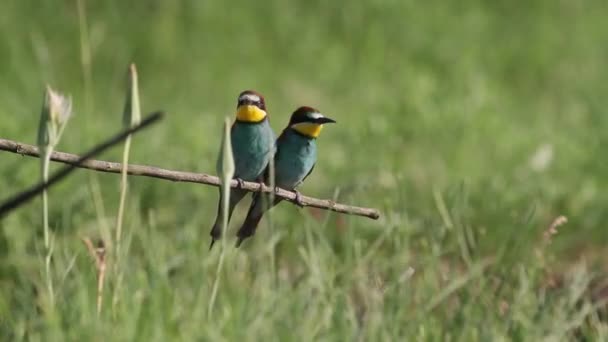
(471,125)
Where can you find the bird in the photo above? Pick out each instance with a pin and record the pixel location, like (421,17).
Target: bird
(253,142)
(294,160)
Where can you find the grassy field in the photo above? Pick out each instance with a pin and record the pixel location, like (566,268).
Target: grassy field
(472,126)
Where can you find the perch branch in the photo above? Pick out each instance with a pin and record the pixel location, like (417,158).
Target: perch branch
(181,176)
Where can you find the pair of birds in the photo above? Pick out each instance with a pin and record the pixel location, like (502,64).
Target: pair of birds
(253,145)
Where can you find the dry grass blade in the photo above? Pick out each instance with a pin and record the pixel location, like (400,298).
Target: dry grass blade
(99,255)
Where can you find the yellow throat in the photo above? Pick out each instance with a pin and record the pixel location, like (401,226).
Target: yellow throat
(249,113)
(309,129)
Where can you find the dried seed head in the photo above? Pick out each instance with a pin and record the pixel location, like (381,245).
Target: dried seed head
(60,107)
(56,111)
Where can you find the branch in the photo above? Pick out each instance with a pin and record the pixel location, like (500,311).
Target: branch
(189,177)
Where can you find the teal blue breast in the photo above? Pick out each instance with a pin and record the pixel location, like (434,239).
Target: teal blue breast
(252,147)
(296,155)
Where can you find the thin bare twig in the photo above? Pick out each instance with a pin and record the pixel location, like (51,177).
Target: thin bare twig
(75,162)
(181,176)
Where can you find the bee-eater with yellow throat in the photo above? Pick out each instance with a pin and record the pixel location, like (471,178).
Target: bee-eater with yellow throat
(294,160)
(252,141)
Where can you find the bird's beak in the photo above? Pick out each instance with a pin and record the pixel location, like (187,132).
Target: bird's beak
(324,120)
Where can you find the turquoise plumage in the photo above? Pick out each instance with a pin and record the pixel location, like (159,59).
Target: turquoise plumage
(252,141)
(295,158)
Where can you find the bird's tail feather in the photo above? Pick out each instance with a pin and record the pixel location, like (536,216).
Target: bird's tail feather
(256,211)
(236,195)
(248,228)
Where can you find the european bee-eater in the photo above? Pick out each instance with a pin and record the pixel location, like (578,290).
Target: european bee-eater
(295,157)
(252,141)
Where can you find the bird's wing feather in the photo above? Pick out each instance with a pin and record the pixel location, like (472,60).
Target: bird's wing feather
(309,172)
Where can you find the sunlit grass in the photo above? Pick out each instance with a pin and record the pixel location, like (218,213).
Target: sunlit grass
(470,126)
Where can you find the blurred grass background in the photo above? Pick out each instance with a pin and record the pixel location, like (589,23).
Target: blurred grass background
(470,125)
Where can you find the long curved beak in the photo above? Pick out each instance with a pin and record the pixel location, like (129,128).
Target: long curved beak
(324,120)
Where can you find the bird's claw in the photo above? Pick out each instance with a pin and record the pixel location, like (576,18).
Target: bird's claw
(241,183)
(299,202)
(261,183)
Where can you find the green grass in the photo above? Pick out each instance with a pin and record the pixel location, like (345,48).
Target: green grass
(444,114)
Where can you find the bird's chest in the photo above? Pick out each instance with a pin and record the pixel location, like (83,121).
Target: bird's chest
(251,147)
(295,159)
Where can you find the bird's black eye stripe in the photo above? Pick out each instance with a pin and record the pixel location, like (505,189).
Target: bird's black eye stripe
(257,103)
